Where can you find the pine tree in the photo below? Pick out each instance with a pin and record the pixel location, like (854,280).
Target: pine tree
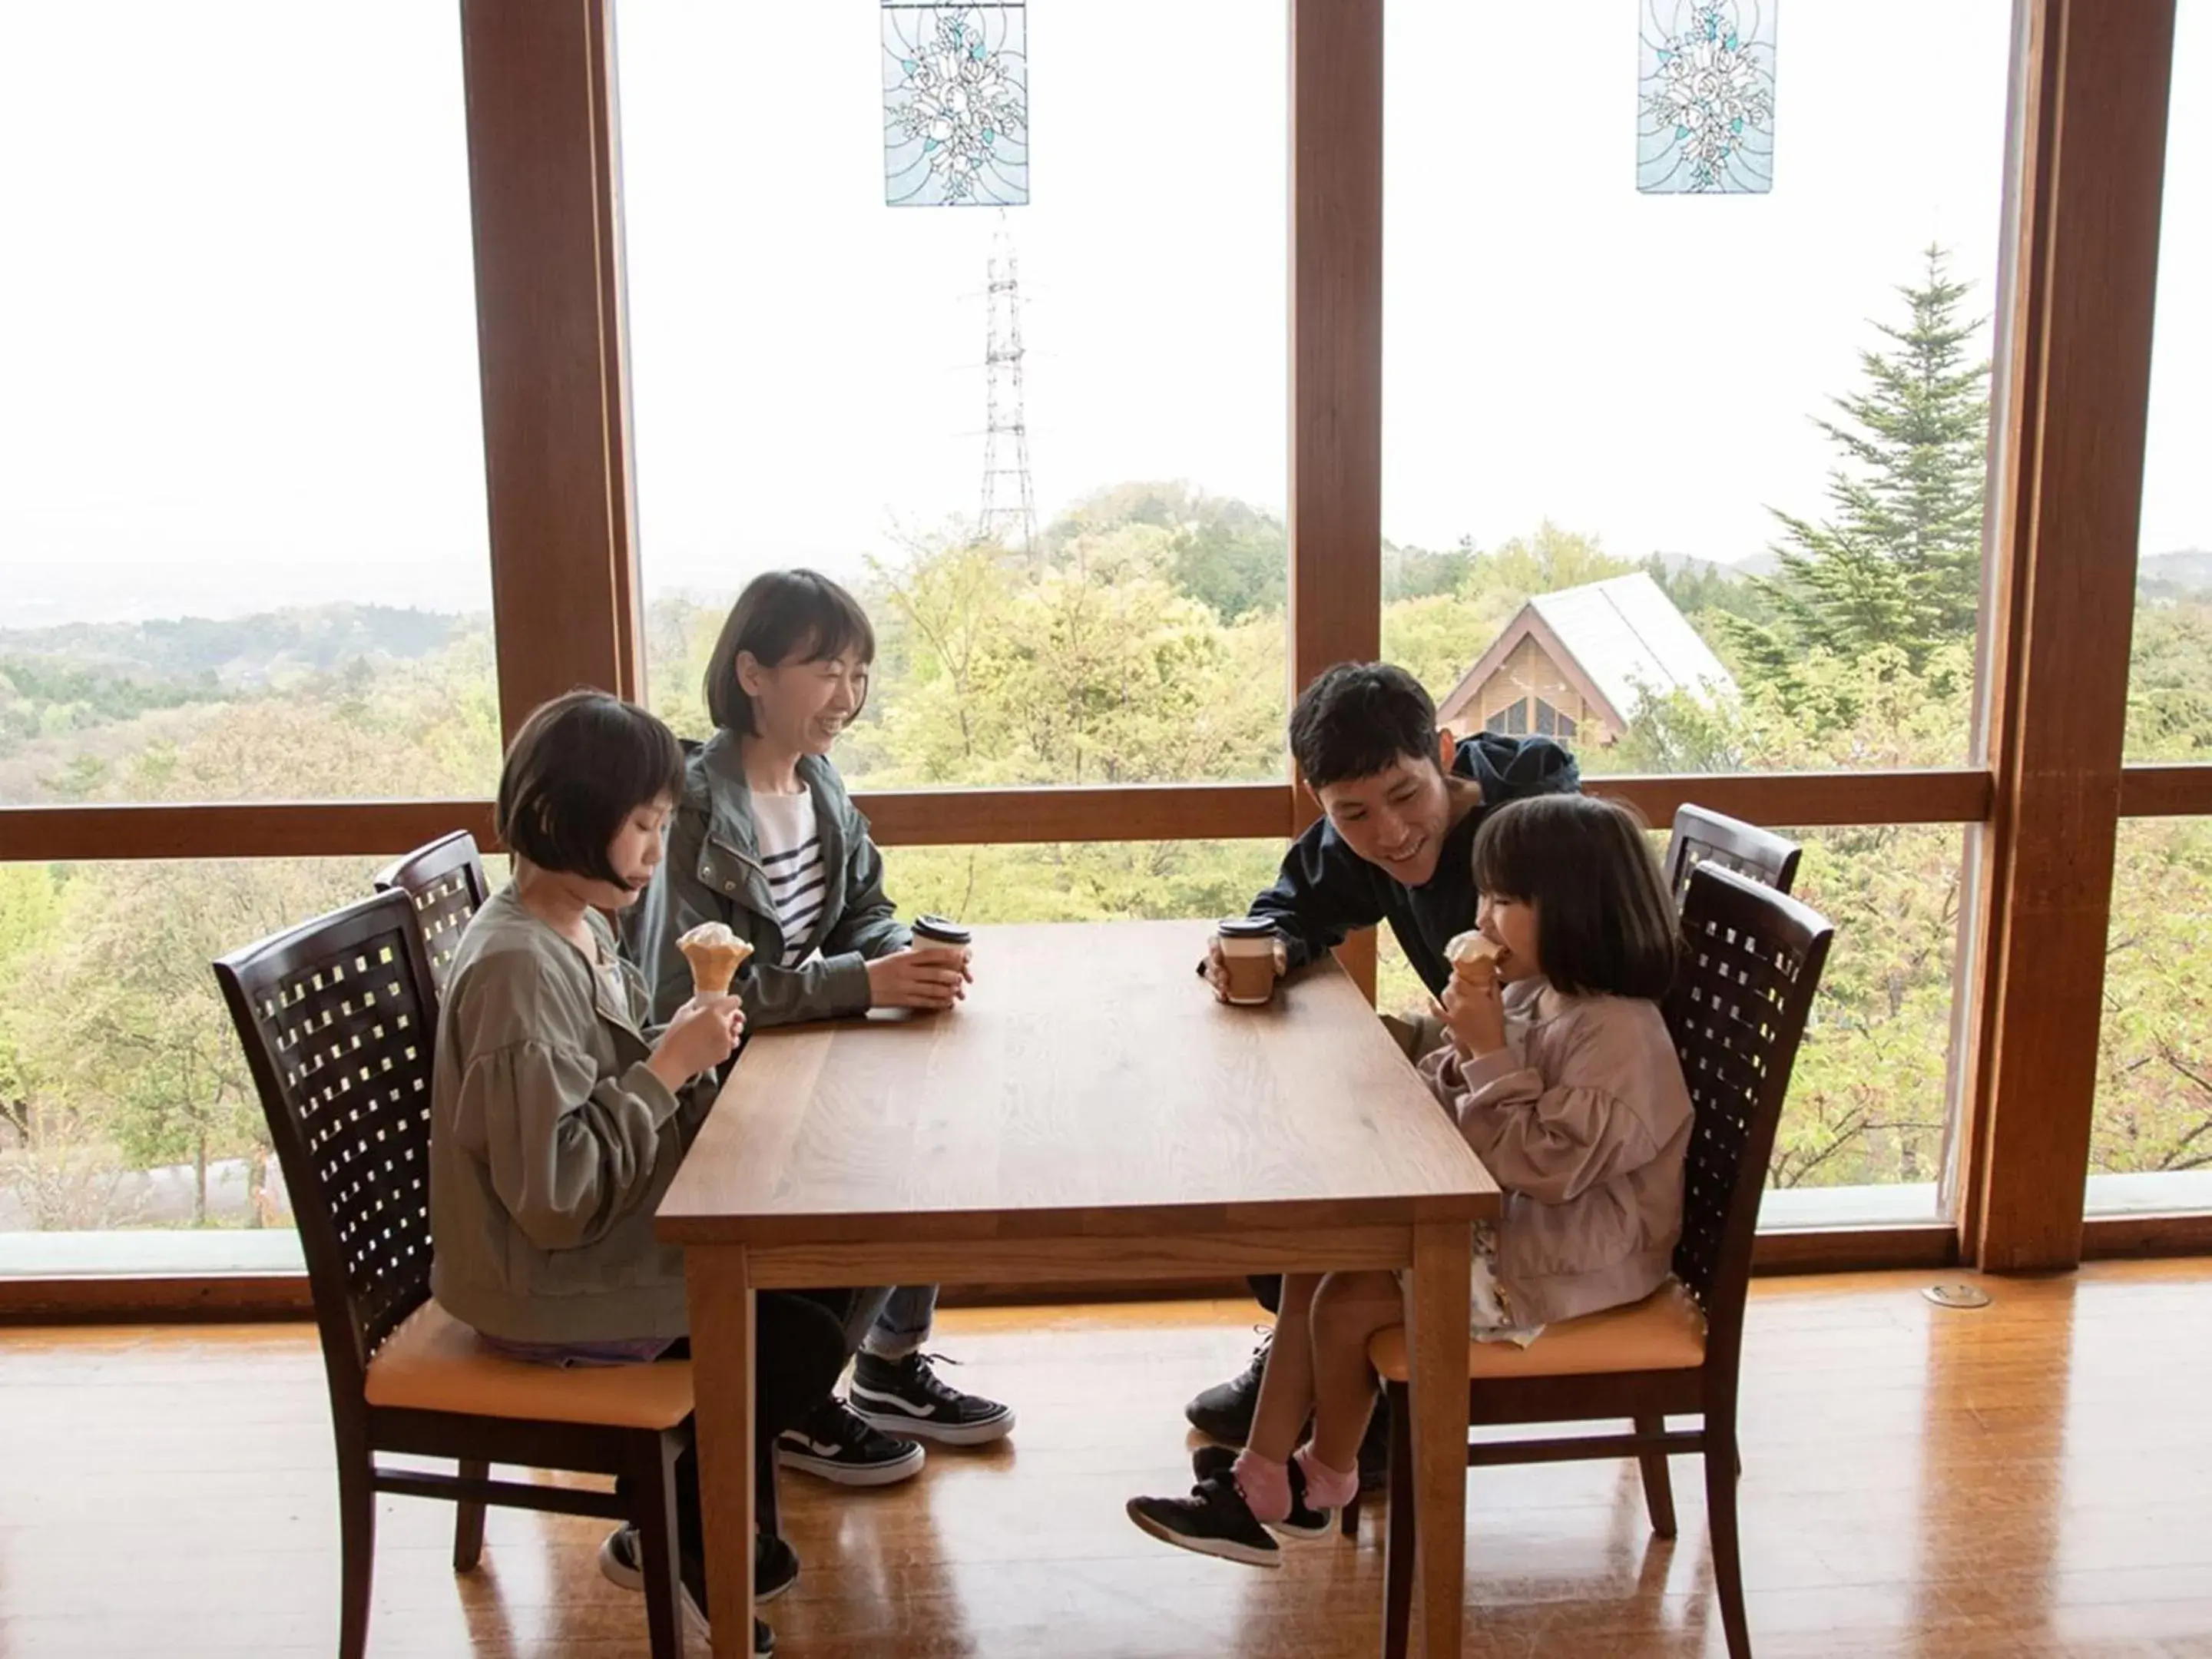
(1897,563)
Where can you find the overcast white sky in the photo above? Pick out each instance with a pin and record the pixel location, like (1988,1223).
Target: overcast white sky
(242,369)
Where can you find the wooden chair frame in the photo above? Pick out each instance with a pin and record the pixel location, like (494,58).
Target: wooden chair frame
(368,1259)
(1737,1014)
(1704,836)
(445,880)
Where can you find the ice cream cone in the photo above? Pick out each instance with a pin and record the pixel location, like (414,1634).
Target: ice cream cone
(1473,956)
(715,954)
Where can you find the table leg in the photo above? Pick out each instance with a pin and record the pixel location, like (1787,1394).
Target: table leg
(1436,1320)
(718,1283)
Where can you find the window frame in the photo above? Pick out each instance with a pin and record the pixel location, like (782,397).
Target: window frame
(2043,798)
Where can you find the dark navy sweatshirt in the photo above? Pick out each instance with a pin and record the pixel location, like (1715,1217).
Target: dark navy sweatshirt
(1327,891)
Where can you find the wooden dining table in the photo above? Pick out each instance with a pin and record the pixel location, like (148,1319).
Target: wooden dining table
(1089,1114)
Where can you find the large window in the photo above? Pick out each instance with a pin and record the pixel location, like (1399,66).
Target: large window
(2151,1147)
(1696,484)
(244,520)
(2170,681)
(1704,475)
(125,1100)
(1045,443)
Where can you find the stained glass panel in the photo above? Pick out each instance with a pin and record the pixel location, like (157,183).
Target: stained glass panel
(1705,103)
(956,105)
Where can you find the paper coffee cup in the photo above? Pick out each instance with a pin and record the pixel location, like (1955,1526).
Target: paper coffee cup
(940,931)
(1248,951)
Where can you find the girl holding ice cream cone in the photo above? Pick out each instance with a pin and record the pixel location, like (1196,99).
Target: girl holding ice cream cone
(561,1107)
(1561,1072)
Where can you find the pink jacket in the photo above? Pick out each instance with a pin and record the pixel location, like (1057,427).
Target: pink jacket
(1583,1119)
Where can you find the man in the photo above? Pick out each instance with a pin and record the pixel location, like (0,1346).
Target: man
(1400,802)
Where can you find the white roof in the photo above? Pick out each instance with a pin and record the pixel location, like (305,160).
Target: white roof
(1628,637)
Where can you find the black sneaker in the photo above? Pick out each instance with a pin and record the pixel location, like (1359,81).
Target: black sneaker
(906,1397)
(776,1564)
(1224,1411)
(1303,1523)
(1214,1520)
(836,1445)
(693,1572)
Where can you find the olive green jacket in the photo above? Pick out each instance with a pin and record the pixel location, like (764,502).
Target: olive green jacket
(551,1141)
(713,873)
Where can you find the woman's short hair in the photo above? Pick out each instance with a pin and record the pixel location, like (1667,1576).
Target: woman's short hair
(581,764)
(1604,923)
(782,616)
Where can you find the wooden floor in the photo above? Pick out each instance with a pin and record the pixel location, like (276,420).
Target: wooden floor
(2031,1479)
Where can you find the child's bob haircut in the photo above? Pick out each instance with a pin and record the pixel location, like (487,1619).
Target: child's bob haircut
(780,616)
(580,765)
(1605,925)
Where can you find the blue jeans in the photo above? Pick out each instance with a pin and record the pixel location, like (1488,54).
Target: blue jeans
(903,1325)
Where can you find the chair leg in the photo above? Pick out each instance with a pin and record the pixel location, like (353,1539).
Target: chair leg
(469,1521)
(653,1480)
(1397,1531)
(1658,1485)
(1347,1521)
(356,1547)
(1720,1516)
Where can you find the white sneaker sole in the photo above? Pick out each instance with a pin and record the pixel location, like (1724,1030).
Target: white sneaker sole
(1225,1548)
(906,1427)
(851,1474)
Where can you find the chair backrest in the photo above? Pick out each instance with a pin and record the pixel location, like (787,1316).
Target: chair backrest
(337,1020)
(446,879)
(1704,837)
(1751,962)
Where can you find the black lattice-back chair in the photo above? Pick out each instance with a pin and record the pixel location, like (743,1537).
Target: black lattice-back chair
(445,880)
(1705,837)
(1752,959)
(336,1018)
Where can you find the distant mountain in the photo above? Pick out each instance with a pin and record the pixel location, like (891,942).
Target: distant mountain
(239,651)
(1681,564)
(2185,574)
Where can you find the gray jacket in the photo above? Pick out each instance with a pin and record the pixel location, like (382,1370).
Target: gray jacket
(551,1141)
(1584,1120)
(712,873)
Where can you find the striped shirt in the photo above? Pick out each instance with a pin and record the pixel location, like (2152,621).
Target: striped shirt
(791,854)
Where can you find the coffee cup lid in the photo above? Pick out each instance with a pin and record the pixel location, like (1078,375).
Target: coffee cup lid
(942,929)
(1245,927)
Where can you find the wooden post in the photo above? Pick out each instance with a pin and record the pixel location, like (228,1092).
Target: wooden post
(539,77)
(1336,354)
(2083,269)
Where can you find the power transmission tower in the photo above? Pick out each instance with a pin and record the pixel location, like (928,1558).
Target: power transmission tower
(1009,511)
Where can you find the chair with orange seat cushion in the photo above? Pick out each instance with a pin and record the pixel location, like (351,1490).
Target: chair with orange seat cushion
(335,1019)
(1751,960)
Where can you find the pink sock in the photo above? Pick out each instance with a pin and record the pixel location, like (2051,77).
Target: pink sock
(1326,1488)
(1266,1485)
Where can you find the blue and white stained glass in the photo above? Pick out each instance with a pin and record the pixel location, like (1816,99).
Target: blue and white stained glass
(1705,105)
(956,105)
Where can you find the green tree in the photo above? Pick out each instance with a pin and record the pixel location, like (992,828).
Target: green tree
(1225,553)
(1897,562)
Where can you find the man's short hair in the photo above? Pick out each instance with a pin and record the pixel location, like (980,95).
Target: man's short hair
(1358,719)
(580,765)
